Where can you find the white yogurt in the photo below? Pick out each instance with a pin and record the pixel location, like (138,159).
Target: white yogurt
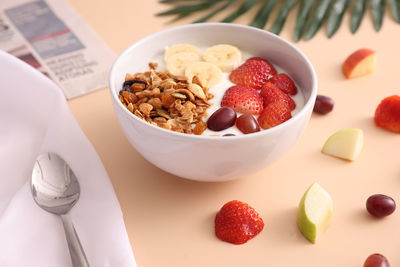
(219,90)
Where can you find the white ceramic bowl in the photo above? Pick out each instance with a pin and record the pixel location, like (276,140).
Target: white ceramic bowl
(208,158)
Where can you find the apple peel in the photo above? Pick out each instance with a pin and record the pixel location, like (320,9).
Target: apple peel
(359,63)
(314,212)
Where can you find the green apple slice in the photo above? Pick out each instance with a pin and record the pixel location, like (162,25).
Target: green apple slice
(315,212)
(345,144)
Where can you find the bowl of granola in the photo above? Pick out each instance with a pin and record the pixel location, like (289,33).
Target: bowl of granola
(213,101)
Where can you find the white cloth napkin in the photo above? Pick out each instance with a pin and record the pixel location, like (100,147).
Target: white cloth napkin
(34,118)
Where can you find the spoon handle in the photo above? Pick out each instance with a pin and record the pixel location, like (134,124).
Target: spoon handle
(78,256)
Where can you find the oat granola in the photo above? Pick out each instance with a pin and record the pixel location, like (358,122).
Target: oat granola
(169,102)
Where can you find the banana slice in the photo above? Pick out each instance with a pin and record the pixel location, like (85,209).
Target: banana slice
(178,48)
(208,73)
(226,57)
(177,63)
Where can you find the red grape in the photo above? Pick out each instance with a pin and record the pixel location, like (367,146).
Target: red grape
(247,124)
(323,104)
(222,119)
(380,205)
(376,260)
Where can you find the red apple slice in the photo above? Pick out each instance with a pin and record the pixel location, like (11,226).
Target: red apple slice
(360,63)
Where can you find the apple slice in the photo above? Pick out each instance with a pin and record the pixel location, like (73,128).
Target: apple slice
(315,212)
(360,63)
(346,144)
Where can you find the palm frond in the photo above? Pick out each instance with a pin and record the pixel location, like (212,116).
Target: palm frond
(302,18)
(335,16)
(395,7)
(311,15)
(214,12)
(188,8)
(241,10)
(282,15)
(357,13)
(318,18)
(378,10)
(178,17)
(262,16)
(176,1)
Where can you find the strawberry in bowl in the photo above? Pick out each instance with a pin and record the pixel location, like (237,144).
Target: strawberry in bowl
(254,73)
(262,94)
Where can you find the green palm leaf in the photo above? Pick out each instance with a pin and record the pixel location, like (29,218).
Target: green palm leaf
(214,12)
(336,16)
(395,7)
(262,16)
(176,1)
(188,8)
(302,18)
(242,9)
(378,10)
(318,18)
(281,18)
(311,15)
(357,13)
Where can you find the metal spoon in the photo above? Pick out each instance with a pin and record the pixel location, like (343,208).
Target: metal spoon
(55,189)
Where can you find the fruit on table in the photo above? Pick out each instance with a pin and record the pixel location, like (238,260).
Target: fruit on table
(359,63)
(379,205)
(285,83)
(237,222)
(274,114)
(243,99)
(376,260)
(253,73)
(323,104)
(246,123)
(221,119)
(178,48)
(270,93)
(314,212)
(208,73)
(387,114)
(226,57)
(177,63)
(346,144)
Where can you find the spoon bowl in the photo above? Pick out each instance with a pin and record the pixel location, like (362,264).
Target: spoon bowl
(55,188)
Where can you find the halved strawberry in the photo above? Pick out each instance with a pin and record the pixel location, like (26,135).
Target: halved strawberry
(270,93)
(283,82)
(274,114)
(253,73)
(387,114)
(263,60)
(243,99)
(237,222)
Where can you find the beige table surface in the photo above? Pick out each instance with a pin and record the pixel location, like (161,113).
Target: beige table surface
(170,220)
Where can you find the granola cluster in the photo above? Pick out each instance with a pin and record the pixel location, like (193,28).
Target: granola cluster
(172,103)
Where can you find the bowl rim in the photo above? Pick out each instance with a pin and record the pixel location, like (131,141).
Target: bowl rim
(163,131)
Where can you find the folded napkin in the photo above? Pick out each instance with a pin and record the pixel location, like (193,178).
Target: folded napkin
(34,118)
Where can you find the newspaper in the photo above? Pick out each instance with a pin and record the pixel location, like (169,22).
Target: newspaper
(51,37)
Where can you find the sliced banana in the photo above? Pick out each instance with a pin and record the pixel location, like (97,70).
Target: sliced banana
(209,74)
(226,57)
(177,63)
(178,48)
